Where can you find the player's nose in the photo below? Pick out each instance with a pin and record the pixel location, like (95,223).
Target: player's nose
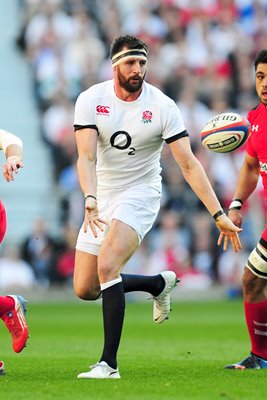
(137,68)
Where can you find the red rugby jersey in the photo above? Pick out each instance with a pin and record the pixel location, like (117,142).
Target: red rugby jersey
(3,222)
(256,145)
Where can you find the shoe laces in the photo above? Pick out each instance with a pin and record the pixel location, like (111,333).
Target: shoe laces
(95,365)
(250,362)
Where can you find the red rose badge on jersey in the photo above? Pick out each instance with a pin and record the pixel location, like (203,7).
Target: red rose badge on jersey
(147,116)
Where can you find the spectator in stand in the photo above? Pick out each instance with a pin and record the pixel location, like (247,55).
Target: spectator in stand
(15,273)
(39,250)
(66,256)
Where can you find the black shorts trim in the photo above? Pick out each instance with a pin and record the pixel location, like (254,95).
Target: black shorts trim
(260,254)
(263,243)
(263,274)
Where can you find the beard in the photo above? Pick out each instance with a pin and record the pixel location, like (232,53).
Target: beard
(127,85)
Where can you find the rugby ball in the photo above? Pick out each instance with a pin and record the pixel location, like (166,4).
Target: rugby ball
(225,132)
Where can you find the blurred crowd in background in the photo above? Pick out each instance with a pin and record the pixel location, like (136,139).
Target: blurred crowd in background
(201,55)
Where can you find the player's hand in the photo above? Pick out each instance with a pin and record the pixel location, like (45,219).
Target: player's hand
(11,167)
(91,218)
(228,232)
(236,217)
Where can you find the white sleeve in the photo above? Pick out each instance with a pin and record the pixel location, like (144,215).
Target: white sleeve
(173,123)
(84,114)
(8,138)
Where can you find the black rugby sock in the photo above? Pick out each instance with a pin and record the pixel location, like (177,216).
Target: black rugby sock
(113,307)
(142,283)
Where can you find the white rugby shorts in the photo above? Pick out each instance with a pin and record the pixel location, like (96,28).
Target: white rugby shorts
(136,206)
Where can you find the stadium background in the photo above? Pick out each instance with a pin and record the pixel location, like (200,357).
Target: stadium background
(201,55)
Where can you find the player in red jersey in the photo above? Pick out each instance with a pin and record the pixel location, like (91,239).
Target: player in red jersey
(255,272)
(12,308)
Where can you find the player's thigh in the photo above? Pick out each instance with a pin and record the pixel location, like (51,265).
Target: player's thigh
(85,279)
(255,274)
(117,248)
(254,287)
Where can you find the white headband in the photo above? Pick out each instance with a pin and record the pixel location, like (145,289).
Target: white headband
(123,55)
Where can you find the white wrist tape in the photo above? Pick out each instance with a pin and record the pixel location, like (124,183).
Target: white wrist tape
(236,204)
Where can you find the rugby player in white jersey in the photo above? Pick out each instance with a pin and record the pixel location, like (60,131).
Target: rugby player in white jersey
(121,126)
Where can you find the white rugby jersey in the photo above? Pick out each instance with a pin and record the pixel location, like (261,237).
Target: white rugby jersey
(130,134)
(8,138)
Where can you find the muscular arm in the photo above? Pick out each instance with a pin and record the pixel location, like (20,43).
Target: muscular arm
(194,174)
(248,178)
(246,184)
(86,140)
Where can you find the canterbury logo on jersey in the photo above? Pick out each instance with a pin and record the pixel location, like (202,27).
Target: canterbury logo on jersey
(103,110)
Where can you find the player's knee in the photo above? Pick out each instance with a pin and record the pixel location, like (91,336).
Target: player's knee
(106,271)
(85,293)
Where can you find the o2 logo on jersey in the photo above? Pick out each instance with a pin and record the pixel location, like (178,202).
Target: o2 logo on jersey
(102,110)
(121,140)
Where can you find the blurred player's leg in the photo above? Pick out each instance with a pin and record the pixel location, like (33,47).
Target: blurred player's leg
(2,368)
(12,312)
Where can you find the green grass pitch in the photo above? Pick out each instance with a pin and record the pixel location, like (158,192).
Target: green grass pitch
(182,358)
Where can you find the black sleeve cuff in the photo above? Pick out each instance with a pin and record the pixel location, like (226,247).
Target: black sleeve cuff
(176,137)
(78,127)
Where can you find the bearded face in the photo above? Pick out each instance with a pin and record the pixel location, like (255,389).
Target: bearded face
(131,84)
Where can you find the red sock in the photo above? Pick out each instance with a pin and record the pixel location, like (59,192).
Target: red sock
(256,318)
(6,304)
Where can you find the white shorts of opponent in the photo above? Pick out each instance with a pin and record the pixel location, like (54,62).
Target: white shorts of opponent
(257,261)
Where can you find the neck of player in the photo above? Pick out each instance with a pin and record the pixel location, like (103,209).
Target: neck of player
(124,95)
